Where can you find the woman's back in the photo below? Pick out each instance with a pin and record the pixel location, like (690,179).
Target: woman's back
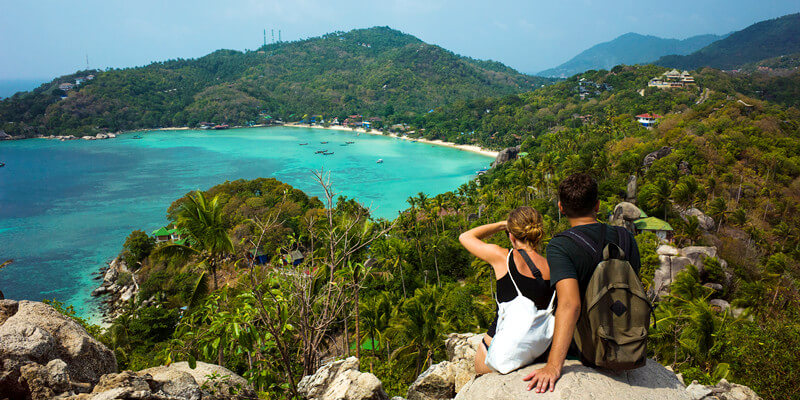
(536,289)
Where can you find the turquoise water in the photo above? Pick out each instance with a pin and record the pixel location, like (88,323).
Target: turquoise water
(66,207)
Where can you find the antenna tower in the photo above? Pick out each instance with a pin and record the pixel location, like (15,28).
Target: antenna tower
(265,37)
(279,35)
(273,35)
(87,61)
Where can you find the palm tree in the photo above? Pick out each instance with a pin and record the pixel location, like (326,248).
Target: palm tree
(375,317)
(718,209)
(660,196)
(202,222)
(419,327)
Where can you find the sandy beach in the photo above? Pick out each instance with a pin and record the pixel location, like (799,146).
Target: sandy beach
(437,142)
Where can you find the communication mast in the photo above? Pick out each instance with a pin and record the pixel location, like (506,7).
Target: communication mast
(87,61)
(273,35)
(265,37)
(279,36)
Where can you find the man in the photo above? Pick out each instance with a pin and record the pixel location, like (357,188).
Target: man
(571,268)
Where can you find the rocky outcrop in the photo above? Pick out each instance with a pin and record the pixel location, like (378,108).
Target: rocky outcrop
(119,285)
(723,390)
(706,222)
(631,189)
(341,380)
(650,382)
(41,350)
(438,382)
(674,260)
(655,156)
(624,214)
(46,355)
(506,155)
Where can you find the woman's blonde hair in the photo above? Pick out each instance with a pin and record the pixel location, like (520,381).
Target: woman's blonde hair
(525,223)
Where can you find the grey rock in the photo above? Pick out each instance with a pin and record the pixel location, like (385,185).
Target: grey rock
(461,350)
(437,382)
(506,155)
(341,380)
(706,222)
(721,304)
(714,286)
(630,189)
(667,250)
(698,255)
(698,391)
(627,211)
(656,155)
(173,382)
(667,271)
(216,379)
(39,333)
(650,382)
(7,309)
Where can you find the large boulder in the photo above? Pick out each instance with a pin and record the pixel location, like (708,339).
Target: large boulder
(706,222)
(437,383)
(656,155)
(698,254)
(461,350)
(341,380)
(506,155)
(630,189)
(669,268)
(44,353)
(216,379)
(650,382)
(624,214)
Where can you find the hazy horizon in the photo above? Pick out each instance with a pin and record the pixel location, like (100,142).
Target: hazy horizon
(47,39)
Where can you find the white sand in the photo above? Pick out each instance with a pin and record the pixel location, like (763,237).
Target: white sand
(437,142)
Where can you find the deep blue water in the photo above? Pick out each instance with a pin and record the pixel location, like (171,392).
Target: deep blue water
(66,207)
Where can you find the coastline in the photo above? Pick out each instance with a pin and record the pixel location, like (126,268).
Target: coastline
(437,142)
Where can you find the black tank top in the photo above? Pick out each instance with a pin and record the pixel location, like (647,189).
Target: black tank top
(537,290)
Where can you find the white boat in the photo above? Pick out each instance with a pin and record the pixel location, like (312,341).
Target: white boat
(380,161)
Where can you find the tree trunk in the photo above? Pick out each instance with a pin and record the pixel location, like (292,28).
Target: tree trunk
(358,328)
(346,336)
(436,265)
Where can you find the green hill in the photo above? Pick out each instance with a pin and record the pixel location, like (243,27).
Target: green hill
(630,49)
(376,72)
(765,39)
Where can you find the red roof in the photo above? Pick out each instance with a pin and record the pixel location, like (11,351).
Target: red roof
(649,116)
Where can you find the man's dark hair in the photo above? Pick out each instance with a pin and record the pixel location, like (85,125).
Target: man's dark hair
(578,195)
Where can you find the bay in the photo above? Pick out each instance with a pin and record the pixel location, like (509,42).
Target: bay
(66,207)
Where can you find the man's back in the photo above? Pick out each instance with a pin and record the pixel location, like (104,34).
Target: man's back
(567,259)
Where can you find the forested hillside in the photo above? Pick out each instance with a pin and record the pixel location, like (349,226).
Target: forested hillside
(375,72)
(629,49)
(765,39)
(335,281)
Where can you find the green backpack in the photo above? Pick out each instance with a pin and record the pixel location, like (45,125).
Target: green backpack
(615,312)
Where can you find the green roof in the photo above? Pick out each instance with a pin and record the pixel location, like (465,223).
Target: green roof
(163,231)
(652,224)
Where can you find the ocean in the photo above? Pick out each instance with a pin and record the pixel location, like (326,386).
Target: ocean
(67,207)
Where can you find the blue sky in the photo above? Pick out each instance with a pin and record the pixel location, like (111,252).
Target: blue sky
(46,38)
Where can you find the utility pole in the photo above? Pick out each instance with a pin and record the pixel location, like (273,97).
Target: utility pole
(279,35)
(273,35)
(87,61)
(265,37)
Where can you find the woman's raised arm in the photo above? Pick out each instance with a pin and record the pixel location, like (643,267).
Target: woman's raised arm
(472,240)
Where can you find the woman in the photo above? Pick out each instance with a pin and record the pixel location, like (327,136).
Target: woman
(525,231)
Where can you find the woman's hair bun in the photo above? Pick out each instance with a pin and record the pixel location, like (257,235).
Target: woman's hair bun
(526,224)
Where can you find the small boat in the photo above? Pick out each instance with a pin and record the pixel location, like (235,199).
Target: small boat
(137,137)
(323,142)
(349,142)
(303,144)
(320,151)
(380,161)
(327,154)
(2,164)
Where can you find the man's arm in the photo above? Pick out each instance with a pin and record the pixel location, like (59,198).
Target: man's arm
(567,312)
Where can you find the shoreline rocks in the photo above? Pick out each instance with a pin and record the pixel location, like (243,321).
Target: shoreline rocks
(119,284)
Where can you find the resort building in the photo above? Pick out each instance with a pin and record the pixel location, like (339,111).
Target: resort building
(647,120)
(672,79)
(662,229)
(66,86)
(174,235)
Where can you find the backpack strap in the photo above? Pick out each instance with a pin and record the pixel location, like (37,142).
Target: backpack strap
(624,241)
(534,270)
(595,250)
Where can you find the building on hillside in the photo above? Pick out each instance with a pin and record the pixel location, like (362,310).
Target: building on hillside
(66,86)
(672,79)
(79,80)
(335,121)
(174,235)
(162,234)
(647,120)
(662,229)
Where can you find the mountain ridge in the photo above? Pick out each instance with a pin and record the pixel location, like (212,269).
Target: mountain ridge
(629,49)
(762,40)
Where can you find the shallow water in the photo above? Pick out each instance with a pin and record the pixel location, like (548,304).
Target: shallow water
(66,207)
